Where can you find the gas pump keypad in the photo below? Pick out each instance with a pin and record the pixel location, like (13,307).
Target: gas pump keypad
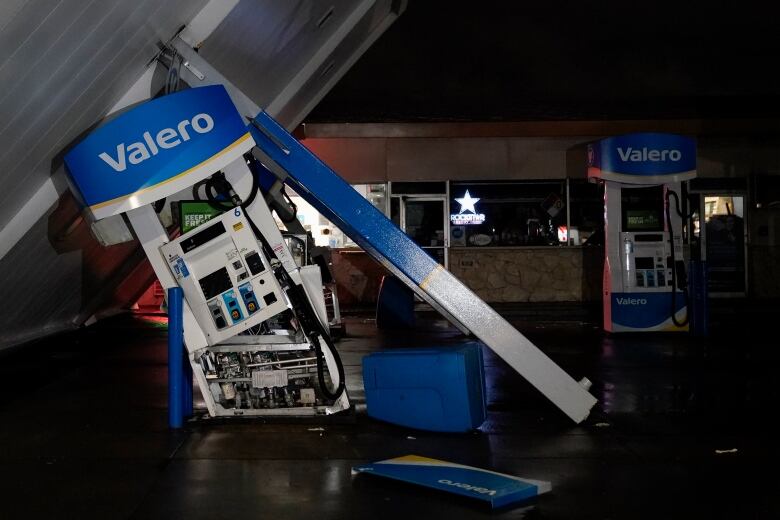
(650,271)
(222,270)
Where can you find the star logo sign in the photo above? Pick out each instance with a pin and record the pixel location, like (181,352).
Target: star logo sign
(467,203)
(468,213)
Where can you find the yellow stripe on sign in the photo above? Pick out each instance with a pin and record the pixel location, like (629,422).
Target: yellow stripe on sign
(177,176)
(412,458)
(427,280)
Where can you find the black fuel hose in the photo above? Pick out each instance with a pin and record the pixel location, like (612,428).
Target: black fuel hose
(302,308)
(683,322)
(308,319)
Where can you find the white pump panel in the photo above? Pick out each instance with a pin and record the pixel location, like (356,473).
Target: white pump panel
(226,278)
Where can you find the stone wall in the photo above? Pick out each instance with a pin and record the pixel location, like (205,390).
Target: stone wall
(530,274)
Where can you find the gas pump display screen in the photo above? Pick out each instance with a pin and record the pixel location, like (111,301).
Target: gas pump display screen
(644,262)
(643,220)
(642,208)
(215,283)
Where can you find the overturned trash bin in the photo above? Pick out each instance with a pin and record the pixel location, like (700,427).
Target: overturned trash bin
(438,389)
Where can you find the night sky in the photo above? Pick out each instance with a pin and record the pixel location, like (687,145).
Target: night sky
(516,60)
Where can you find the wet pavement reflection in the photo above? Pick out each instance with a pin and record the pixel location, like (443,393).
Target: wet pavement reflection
(683,429)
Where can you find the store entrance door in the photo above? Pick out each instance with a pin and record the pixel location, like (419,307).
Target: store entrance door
(424,219)
(723,243)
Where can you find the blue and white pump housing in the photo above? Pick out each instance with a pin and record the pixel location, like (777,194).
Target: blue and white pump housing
(160,149)
(644,280)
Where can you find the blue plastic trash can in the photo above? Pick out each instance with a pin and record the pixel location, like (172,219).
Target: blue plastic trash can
(439,389)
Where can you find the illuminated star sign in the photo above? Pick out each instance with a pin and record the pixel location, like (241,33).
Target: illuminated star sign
(467,203)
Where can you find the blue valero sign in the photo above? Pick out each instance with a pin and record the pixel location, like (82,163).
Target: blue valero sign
(644,311)
(497,489)
(157,149)
(643,158)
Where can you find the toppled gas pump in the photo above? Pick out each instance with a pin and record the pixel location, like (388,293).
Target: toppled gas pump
(169,144)
(255,331)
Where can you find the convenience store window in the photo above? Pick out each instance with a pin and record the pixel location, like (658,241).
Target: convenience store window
(586,212)
(527,213)
(324,232)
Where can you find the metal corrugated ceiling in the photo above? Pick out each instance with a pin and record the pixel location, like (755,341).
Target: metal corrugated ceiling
(65,63)
(242,38)
(290,48)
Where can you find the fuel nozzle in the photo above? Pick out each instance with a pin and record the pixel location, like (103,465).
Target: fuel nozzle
(222,186)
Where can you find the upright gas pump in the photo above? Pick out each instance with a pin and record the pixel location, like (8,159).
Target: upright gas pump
(645,203)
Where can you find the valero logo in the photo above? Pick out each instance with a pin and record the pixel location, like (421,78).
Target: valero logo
(166,138)
(156,149)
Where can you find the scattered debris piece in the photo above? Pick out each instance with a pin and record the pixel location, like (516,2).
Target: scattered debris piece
(317,429)
(498,489)
(721,452)
(411,438)
(602,425)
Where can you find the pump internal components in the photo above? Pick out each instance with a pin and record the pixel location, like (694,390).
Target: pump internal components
(246,380)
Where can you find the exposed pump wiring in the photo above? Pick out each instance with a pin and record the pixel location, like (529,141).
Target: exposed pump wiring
(218,186)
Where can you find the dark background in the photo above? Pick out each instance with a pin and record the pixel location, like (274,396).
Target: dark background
(554,60)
